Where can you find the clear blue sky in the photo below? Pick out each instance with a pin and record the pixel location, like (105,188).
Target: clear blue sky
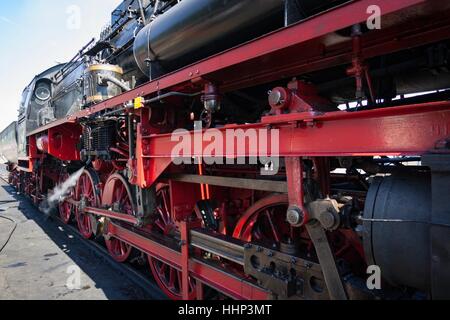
(37,34)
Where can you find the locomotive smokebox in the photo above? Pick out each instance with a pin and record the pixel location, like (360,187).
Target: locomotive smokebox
(397,228)
(194,29)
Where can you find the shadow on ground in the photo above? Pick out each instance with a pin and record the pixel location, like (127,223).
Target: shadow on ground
(106,276)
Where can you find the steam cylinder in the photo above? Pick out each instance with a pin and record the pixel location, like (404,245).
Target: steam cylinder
(194,29)
(397,228)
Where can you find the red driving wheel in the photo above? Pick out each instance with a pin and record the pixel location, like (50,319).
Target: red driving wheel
(87,194)
(169,279)
(265,223)
(117,195)
(65,208)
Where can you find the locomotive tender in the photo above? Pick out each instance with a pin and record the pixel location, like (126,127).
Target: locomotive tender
(363,118)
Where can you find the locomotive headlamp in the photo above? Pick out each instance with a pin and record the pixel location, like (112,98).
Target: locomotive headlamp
(42,92)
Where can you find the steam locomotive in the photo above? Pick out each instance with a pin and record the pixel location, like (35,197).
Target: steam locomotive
(363,117)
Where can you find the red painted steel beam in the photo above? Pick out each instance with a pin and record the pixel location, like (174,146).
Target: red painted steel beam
(405,130)
(262,49)
(296,192)
(226,283)
(396,131)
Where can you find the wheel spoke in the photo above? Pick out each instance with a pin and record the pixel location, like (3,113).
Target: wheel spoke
(118,247)
(115,245)
(191,285)
(121,197)
(180,280)
(163,216)
(165,202)
(172,278)
(85,185)
(162,269)
(160,226)
(257,235)
(268,215)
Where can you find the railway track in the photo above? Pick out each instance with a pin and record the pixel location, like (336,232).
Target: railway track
(135,272)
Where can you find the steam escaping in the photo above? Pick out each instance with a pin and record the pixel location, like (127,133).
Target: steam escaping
(60,193)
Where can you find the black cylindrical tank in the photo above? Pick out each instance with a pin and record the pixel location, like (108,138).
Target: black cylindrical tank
(194,29)
(311,7)
(397,228)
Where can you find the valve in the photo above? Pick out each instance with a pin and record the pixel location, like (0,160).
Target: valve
(211,98)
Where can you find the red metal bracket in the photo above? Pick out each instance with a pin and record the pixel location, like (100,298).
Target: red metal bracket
(185,258)
(297,212)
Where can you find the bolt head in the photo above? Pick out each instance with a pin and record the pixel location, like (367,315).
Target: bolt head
(275,98)
(327,220)
(295,216)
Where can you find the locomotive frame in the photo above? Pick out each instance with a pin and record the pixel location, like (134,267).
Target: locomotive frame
(420,129)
